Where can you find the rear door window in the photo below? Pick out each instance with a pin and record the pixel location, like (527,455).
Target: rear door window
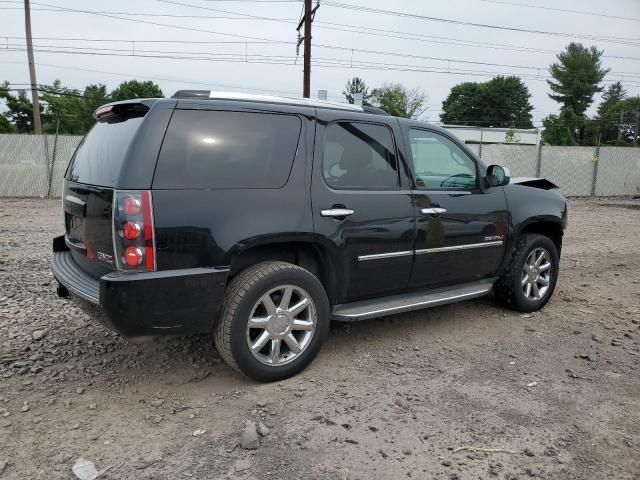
(100,155)
(359,156)
(221,149)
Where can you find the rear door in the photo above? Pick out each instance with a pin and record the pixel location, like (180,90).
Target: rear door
(461,228)
(90,180)
(362,205)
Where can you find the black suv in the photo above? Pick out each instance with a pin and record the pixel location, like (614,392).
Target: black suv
(259,219)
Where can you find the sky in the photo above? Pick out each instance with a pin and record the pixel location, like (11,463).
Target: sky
(250,45)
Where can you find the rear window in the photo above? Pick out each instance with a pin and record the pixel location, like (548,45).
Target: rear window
(220,149)
(100,155)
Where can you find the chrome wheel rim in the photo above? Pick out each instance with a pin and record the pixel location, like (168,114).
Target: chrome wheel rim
(281,325)
(536,274)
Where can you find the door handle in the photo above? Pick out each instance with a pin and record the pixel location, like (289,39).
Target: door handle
(433,211)
(336,212)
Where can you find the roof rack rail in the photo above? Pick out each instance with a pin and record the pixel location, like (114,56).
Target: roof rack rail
(249,97)
(376,110)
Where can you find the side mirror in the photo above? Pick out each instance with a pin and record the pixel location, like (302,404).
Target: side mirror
(498,176)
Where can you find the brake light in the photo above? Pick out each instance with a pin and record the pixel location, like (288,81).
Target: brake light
(133,231)
(133,256)
(130,205)
(102,111)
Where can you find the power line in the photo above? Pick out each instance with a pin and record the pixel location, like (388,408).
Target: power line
(257,42)
(330,26)
(360,8)
(179,27)
(114,40)
(331,47)
(581,12)
(349,28)
(322,61)
(138,14)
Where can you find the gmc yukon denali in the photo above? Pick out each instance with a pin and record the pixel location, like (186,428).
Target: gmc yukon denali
(258,220)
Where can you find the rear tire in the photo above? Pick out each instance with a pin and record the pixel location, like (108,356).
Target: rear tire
(273,322)
(530,278)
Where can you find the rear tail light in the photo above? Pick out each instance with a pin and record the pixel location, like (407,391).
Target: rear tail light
(133,231)
(133,256)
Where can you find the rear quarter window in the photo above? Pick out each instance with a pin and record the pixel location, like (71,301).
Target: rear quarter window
(221,149)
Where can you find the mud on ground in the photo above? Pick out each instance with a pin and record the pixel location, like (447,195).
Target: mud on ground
(407,396)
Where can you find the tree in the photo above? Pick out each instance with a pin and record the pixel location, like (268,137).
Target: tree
(627,115)
(66,110)
(19,109)
(576,79)
(398,101)
(6,126)
(69,110)
(356,85)
(561,129)
(614,94)
(500,102)
(608,120)
(135,89)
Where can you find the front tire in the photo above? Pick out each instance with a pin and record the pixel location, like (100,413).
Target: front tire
(273,322)
(530,278)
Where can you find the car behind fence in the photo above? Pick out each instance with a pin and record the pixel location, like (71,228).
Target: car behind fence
(34,165)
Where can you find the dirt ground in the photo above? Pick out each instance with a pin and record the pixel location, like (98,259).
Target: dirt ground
(408,396)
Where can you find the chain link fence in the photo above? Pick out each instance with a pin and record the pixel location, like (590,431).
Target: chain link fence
(34,165)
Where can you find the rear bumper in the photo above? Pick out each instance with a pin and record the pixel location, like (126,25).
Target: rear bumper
(149,303)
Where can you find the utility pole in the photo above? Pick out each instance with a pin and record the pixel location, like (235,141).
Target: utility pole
(309,13)
(32,69)
(635,132)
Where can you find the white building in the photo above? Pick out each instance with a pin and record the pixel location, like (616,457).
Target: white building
(487,135)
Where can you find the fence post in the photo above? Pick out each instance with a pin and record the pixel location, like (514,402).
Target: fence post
(480,149)
(53,158)
(539,160)
(596,161)
(47,164)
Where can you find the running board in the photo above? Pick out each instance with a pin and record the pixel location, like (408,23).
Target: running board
(406,302)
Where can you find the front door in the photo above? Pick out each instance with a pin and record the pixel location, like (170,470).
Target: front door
(461,228)
(362,207)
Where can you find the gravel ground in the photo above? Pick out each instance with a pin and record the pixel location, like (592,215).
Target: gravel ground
(464,391)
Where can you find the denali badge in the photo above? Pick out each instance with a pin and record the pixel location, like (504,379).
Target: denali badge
(104,258)
(493,237)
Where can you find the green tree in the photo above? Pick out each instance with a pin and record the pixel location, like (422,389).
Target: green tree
(500,102)
(614,94)
(606,120)
(626,114)
(19,109)
(399,101)
(69,110)
(576,79)
(135,89)
(356,85)
(561,129)
(6,126)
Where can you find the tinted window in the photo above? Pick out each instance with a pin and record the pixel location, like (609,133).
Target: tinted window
(359,156)
(99,156)
(218,149)
(439,163)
